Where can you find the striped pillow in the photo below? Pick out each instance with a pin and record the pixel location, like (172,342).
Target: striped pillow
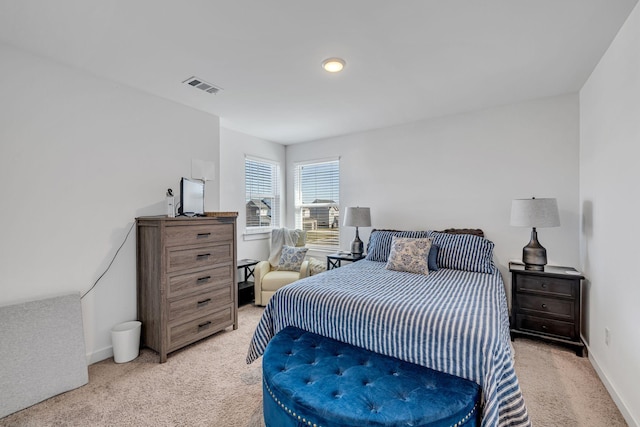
(380,242)
(464,252)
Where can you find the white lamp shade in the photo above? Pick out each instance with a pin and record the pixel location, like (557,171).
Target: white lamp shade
(535,213)
(357,217)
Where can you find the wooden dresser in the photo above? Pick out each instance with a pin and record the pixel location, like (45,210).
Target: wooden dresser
(546,304)
(186,279)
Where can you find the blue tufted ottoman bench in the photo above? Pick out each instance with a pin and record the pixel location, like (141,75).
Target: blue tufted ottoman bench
(310,380)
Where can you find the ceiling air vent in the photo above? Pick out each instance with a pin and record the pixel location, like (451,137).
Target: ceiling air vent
(202,85)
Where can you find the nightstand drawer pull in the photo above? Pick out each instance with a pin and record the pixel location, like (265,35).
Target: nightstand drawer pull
(543,285)
(203,279)
(204,302)
(544,327)
(204,325)
(203,256)
(544,306)
(203,235)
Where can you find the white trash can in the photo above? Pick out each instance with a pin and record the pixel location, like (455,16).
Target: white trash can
(125,339)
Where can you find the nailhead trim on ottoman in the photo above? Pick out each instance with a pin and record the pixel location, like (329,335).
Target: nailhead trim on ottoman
(315,381)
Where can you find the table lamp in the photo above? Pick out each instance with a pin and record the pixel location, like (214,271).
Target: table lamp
(534,213)
(357,217)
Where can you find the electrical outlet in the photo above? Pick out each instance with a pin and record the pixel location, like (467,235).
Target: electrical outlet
(607,336)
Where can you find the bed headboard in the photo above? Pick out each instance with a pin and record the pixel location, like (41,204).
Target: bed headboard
(474,231)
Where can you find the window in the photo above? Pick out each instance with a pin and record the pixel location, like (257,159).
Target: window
(262,194)
(317,202)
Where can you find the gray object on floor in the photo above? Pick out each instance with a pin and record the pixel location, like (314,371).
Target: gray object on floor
(42,352)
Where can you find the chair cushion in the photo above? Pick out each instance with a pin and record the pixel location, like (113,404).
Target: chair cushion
(313,380)
(275,279)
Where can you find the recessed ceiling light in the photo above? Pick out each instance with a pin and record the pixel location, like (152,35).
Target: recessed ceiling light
(333,65)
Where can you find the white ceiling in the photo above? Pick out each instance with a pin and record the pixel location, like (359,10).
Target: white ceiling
(406,60)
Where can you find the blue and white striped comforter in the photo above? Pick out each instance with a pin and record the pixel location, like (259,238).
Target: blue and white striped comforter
(451,321)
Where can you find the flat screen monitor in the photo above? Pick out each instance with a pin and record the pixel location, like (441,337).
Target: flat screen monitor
(191,197)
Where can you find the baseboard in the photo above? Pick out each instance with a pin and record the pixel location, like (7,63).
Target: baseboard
(624,409)
(99,355)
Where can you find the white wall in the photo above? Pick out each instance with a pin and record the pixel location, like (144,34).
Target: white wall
(609,179)
(80,159)
(234,146)
(463,171)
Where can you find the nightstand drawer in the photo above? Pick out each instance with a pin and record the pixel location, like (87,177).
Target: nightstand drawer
(207,256)
(185,284)
(546,285)
(556,328)
(182,235)
(546,307)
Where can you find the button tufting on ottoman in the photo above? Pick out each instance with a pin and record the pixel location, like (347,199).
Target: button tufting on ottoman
(310,380)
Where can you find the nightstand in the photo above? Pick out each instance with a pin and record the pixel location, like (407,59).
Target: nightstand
(335,260)
(245,287)
(546,304)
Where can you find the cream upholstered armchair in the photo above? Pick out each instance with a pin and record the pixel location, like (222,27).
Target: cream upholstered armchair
(272,275)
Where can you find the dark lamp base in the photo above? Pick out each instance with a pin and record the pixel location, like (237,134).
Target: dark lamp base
(534,256)
(357,247)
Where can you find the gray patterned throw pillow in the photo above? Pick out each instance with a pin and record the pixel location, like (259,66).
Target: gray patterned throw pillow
(291,258)
(410,255)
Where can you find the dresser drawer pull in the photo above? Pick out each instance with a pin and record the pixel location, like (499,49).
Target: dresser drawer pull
(544,305)
(204,325)
(544,326)
(203,256)
(204,302)
(203,279)
(203,235)
(543,286)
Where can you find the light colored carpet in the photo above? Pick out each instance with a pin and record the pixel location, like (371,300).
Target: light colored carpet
(209,384)
(561,389)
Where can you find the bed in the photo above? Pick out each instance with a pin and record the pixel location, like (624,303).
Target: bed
(453,319)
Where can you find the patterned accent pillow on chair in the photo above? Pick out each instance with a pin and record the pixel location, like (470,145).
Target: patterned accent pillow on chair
(410,255)
(291,258)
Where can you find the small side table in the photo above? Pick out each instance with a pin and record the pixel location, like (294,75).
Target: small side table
(245,287)
(335,260)
(546,304)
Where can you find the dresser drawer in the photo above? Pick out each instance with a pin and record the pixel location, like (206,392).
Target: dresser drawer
(182,235)
(552,327)
(545,306)
(201,304)
(188,332)
(546,285)
(202,257)
(184,284)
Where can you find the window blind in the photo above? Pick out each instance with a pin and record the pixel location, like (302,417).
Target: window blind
(262,194)
(317,202)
